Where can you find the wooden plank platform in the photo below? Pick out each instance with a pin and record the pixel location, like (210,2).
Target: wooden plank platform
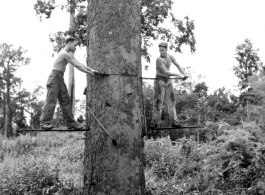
(181,127)
(58,130)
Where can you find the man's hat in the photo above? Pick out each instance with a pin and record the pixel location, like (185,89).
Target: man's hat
(69,38)
(162,44)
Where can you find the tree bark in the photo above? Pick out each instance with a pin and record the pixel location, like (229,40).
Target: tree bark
(71,79)
(114,48)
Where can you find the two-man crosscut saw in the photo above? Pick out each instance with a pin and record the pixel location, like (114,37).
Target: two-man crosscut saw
(129,75)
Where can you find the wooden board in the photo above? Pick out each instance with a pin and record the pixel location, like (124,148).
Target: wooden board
(54,130)
(181,127)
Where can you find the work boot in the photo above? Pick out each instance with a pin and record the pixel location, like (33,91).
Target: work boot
(152,132)
(46,127)
(154,126)
(75,127)
(175,124)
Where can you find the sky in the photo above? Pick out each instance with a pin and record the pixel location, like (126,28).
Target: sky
(220,25)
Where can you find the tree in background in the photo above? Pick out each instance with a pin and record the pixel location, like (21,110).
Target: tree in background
(148,102)
(191,106)
(34,107)
(223,105)
(2,97)
(256,110)
(80,107)
(201,91)
(196,105)
(249,63)
(20,101)
(191,98)
(26,102)
(153,15)
(10,60)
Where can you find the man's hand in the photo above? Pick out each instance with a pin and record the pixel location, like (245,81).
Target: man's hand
(184,77)
(95,72)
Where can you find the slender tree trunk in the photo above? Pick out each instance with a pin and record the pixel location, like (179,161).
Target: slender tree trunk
(114,48)
(8,127)
(71,79)
(247,112)
(2,114)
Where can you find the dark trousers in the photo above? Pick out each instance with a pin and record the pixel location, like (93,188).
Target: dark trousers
(56,89)
(163,88)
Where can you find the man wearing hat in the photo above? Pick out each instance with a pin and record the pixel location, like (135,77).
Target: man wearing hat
(56,88)
(163,87)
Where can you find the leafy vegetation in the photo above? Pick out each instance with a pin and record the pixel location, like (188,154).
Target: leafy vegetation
(47,163)
(225,157)
(249,63)
(232,162)
(153,14)
(10,60)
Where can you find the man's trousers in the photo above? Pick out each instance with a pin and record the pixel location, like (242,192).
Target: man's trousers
(163,87)
(56,89)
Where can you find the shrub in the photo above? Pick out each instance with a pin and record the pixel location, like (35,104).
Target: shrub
(42,143)
(46,164)
(170,167)
(233,163)
(71,167)
(28,175)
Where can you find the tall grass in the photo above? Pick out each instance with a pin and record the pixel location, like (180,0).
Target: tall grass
(48,163)
(233,163)
(52,163)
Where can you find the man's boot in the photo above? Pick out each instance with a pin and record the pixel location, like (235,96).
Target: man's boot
(46,126)
(75,127)
(154,126)
(175,124)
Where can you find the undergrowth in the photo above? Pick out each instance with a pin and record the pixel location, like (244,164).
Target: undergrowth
(233,162)
(49,163)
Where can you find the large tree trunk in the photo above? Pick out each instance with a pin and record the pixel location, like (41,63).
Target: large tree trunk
(8,126)
(71,79)
(114,47)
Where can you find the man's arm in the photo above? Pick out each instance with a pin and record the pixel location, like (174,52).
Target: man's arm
(78,65)
(162,68)
(174,61)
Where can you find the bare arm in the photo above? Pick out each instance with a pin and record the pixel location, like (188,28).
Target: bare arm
(77,64)
(162,68)
(174,61)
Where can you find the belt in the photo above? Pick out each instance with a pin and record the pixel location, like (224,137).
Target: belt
(158,77)
(57,72)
